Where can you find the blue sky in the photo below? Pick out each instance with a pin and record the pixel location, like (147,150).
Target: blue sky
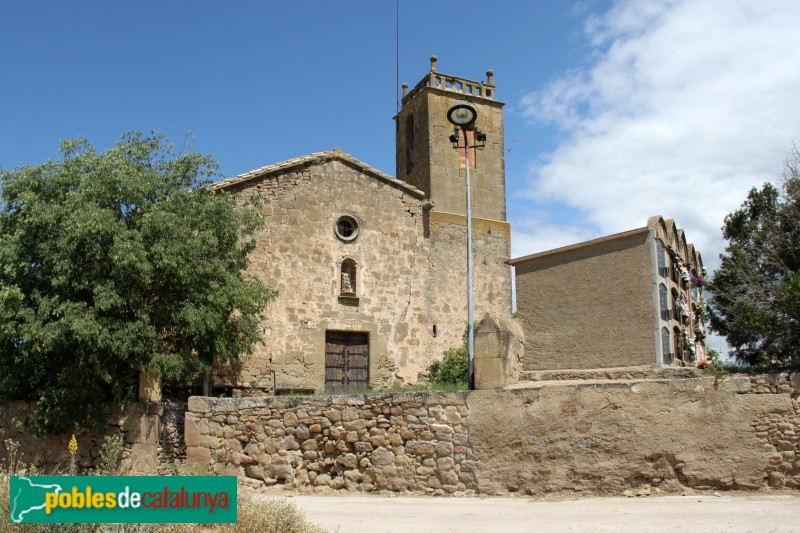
(616,109)
(260,82)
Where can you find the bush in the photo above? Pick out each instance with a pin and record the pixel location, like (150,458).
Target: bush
(453,368)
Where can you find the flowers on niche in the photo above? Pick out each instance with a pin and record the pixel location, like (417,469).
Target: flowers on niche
(683,272)
(683,305)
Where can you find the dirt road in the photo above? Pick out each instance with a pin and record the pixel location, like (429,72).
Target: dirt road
(725,513)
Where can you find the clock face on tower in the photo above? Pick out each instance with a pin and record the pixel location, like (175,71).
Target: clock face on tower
(462,115)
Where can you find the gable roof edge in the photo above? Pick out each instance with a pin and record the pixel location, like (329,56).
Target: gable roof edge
(317,158)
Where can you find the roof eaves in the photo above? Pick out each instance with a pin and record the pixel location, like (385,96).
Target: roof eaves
(302,160)
(580,245)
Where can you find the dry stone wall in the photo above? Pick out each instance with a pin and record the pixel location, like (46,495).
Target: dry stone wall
(735,432)
(396,442)
(139,425)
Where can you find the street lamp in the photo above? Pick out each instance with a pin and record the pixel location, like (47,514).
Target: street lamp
(463,116)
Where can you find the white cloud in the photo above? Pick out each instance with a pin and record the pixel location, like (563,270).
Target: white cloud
(687,105)
(536,232)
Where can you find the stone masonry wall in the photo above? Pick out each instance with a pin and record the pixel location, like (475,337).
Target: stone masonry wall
(299,254)
(410,279)
(138,424)
(736,432)
(397,442)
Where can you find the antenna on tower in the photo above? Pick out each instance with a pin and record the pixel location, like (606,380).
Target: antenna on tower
(397,54)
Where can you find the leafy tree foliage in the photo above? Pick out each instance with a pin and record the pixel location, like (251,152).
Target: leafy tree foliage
(756,291)
(114,263)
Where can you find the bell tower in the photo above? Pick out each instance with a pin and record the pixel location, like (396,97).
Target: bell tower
(427,160)
(425,155)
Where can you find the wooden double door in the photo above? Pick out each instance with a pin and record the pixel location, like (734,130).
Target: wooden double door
(346,360)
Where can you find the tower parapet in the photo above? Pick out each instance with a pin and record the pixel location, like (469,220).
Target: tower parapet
(483,89)
(425,156)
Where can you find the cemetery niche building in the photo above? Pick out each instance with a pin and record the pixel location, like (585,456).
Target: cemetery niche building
(630,299)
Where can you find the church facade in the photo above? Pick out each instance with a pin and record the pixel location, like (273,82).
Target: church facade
(370,268)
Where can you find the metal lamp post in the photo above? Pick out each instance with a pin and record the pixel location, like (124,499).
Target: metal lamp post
(463,116)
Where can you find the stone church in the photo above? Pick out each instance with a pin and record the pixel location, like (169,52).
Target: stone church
(371,269)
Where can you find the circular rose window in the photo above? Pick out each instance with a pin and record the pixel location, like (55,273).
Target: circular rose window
(347,228)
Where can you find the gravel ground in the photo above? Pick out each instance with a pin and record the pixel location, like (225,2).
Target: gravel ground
(727,512)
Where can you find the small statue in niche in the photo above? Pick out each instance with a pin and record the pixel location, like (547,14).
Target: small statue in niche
(347,284)
(348,277)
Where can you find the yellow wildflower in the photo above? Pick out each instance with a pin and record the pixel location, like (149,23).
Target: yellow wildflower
(73,445)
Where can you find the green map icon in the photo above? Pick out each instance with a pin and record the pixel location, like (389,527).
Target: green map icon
(122,499)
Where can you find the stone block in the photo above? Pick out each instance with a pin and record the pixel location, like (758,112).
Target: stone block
(499,349)
(489,373)
(149,387)
(347,461)
(363,447)
(382,457)
(282,471)
(423,448)
(200,404)
(142,429)
(444,449)
(735,384)
(290,419)
(355,425)
(197,457)
(254,471)
(144,459)
(289,443)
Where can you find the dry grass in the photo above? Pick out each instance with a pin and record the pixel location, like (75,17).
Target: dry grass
(272,516)
(254,516)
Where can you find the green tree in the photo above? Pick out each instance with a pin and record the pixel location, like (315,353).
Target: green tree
(756,291)
(114,263)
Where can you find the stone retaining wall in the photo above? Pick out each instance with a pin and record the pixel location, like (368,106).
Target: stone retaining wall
(737,432)
(398,442)
(137,424)
(151,432)
(733,432)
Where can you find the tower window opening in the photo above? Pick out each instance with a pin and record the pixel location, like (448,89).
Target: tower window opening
(409,144)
